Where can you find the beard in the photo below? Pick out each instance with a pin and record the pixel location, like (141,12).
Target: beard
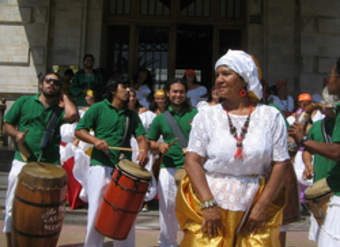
(52,94)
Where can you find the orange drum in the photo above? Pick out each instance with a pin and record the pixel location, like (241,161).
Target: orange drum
(39,205)
(123,200)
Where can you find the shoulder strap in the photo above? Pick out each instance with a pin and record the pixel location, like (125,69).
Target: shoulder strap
(326,137)
(176,130)
(126,131)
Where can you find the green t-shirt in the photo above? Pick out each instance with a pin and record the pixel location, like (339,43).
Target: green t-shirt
(334,175)
(83,81)
(324,167)
(109,124)
(159,126)
(29,113)
(321,165)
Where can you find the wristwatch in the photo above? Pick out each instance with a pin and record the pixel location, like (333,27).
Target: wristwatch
(303,140)
(208,204)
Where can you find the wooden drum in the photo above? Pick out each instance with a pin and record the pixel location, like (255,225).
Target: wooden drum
(122,200)
(39,205)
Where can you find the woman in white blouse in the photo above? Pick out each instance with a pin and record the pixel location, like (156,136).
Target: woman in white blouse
(236,162)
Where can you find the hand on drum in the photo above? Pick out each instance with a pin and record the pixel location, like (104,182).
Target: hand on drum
(143,158)
(212,222)
(297,132)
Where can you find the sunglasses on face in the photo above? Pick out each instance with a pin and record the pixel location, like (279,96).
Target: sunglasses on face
(55,81)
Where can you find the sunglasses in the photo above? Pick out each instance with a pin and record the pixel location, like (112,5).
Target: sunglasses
(55,81)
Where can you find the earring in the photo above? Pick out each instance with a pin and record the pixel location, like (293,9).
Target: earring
(243,92)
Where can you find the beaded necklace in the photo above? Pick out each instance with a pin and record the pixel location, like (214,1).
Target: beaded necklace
(244,129)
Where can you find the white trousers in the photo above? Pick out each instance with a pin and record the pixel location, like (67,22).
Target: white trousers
(12,184)
(329,235)
(167,191)
(99,178)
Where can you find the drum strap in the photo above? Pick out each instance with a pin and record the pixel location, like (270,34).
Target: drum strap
(176,130)
(325,135)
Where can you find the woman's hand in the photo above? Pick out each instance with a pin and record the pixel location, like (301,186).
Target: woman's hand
(256,219)
(212,221)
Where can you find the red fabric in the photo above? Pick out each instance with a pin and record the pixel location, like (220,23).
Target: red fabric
(73,186)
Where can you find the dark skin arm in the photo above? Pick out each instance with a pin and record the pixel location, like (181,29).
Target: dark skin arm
(307,160)
(143,145)
(257,214)
(329,150)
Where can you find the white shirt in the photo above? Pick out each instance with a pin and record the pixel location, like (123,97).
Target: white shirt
(285,105)
(142,95)
(195,95)
(228,178)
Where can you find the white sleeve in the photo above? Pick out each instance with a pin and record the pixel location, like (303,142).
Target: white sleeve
(198,140)
(280,138)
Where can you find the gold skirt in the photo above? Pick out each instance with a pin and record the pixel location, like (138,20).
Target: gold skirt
(189,215)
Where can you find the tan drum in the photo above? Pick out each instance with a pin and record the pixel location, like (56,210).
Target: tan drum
(291,211)
(123,199)
(317,196)
(39,205)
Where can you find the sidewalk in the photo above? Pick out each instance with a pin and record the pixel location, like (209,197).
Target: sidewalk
(74,235)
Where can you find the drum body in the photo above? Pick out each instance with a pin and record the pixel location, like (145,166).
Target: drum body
(122,200)
(39,205)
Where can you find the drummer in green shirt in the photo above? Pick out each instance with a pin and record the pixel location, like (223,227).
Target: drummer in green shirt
(26,122)
(108,120)
(173,156)
(331,151)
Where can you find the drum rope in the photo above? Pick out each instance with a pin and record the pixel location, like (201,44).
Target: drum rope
(29,235)
(57,204)
(135,188)
(121,209)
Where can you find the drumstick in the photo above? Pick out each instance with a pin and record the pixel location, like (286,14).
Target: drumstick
(25,154)
(126,149)
(173,142)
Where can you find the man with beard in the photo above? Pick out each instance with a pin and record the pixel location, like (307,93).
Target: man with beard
(85,79)
(107,118)
(329,230)
(173,156)
(26,123)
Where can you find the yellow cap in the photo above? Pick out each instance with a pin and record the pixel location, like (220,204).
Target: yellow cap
(89,92)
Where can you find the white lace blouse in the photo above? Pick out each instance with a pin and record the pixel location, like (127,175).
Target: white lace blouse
(234,182)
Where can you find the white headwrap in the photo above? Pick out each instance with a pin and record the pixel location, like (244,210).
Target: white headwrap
(243,64)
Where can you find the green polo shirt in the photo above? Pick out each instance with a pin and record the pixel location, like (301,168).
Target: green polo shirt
(82,81)
(334,175)
(159,126)
(109,124)
(29,113)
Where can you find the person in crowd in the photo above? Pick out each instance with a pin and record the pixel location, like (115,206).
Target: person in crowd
(195,91)
(213,99)
(143,85)
(133,104)
(159,103)
(236,162)
(84,79)
(181,115)
(318,166)
(283,100)
(69,146)
(26,123)
(68,76)
(107,119)
(331,151)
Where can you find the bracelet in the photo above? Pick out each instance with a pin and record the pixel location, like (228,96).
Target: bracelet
(208,204)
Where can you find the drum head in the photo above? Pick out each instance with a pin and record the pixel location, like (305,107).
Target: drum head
(133,170)
(319,189)
(43,175)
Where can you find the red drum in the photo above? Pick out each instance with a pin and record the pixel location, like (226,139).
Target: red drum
(123,200)
(39,205)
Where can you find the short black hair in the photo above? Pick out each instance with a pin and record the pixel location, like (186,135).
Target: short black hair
(111,86)
(69,72)
(170,83)
(42,78)
(88,55)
